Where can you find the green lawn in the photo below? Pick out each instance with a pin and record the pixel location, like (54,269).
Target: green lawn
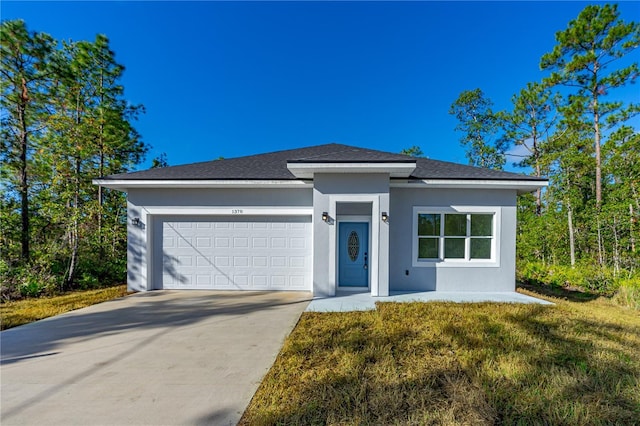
(443,363)
(13,314)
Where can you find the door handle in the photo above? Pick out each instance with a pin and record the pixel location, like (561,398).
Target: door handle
(365,261)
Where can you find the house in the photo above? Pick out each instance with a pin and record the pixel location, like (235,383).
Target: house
(322,218)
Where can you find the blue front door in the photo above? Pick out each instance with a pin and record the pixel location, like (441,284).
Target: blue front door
(353,254)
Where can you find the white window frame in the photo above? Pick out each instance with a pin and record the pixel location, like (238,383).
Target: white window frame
(494,261)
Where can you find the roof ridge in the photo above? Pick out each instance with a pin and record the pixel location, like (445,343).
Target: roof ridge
(346,148)
(324,154)
(287,150)
(272,152)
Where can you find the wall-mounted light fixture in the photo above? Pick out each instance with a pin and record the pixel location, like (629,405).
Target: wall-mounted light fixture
(325,216)
(135,221)
(385,216)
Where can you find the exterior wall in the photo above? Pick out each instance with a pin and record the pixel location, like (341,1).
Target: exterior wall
(392,242)
(140,241)
(447,277)
(138,248)
(230,197)
(353,209)
(330,190)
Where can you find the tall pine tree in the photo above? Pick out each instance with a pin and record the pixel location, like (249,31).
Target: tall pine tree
(480,126)
(24,85)
(581,60)
(530,124)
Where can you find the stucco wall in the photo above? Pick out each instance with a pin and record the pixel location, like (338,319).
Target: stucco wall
(137,247)
(441,277)
(394,239)
(301,197)
(331,189)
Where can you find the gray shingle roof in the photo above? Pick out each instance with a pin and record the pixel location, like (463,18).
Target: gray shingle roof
(435,169)
(273,166)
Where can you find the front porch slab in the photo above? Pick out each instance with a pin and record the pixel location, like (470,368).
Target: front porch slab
(345,301)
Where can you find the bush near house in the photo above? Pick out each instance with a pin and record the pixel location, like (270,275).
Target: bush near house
(628,294)
(623,287)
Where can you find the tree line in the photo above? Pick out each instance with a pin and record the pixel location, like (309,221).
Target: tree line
(573,127)
(65,121)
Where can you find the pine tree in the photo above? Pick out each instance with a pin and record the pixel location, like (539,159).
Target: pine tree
(580,60)
(91,136)
(480,126)
(25,77)
(529,124)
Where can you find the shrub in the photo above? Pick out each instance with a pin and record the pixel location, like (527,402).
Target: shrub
(32,280)
(628,294)
(586,277)
(87,281)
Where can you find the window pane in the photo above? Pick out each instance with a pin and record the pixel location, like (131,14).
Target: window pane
(481,225)
(428,248)
(480,248)
(455,225)
(454,248)
(429,224)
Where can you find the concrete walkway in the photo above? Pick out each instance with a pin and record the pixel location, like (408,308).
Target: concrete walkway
(346,301)
(161,358)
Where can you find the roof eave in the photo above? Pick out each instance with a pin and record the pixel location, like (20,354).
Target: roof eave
(125,184)
(521,186)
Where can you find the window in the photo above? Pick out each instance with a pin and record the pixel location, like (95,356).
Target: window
(456,236)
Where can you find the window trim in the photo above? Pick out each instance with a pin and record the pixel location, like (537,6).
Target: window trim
(493,262)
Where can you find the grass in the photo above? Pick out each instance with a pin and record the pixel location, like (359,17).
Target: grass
(628,295)
(13,314)
(577,362)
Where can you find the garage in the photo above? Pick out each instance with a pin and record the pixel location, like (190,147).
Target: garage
(234,252)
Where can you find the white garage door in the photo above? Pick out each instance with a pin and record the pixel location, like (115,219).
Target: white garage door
(236,253)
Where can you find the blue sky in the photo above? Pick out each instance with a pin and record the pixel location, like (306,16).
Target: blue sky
(238,78)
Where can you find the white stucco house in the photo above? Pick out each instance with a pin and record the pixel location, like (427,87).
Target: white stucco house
(321,219)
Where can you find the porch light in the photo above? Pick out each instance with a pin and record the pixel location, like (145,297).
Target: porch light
(325,216)
(135,221)
(385,216)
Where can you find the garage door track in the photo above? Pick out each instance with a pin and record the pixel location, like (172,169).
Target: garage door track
(164,357)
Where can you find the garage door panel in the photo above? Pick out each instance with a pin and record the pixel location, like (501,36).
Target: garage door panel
(278,261)
(204,262)
(222,261)
(184,242)
(297,262)
(243,253)
(203,242)
(241,242)
(260,261)
(203,281)
(240,261)
(241,280)
(222,281)
(221,242)
(297,281)
(259,243)
(278,242)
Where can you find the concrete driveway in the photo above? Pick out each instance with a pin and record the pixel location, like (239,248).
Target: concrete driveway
(161,358)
